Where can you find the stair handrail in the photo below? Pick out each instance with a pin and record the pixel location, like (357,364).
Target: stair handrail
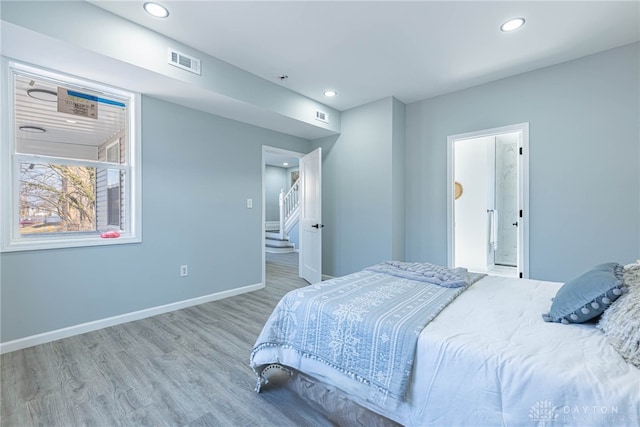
(289,204)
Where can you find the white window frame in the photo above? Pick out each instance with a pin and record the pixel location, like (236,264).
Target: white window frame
(10,237)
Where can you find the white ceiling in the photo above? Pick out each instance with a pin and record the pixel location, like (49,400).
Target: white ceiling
(368,50)
(279,160)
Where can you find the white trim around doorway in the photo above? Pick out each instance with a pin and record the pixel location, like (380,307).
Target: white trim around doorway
(523,190)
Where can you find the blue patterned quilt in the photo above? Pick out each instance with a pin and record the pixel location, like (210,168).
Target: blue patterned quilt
(366,325)
(424,272)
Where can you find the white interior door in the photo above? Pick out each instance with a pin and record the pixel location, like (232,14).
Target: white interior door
(471,217)
(311,217)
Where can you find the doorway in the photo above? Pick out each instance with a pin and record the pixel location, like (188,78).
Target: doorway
(289,162)
(487,198)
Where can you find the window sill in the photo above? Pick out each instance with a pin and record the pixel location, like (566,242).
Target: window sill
(26,244)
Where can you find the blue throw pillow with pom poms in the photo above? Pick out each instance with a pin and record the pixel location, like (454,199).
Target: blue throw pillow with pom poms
(588,295)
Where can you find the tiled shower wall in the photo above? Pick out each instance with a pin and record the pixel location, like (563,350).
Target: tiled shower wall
(507,198)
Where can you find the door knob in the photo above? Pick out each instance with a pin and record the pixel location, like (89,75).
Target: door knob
(515,223)
(318,226)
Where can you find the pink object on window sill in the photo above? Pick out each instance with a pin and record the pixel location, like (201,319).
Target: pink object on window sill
(110,235)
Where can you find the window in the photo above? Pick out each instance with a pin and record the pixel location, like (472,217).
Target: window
(70,162)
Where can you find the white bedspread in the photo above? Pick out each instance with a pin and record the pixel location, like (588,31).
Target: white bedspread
(489,359)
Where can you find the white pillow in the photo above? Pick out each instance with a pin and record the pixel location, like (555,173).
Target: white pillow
(621,320)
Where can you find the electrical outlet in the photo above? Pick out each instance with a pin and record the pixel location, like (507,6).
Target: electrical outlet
(184,270)
(249,203)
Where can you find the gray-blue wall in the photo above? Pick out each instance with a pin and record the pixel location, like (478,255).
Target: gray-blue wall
(360,182)
(584,160)
(275,179)
(197,172)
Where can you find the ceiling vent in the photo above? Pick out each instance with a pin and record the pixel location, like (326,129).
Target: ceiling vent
(186,62)
(322,116)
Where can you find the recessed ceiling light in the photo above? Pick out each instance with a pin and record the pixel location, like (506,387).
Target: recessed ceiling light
(43,94)
(155,9)
(285,164)
(32,129)
(330,93)
(512,24)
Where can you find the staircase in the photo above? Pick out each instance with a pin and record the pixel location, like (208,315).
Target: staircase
(276,245)
(277,238)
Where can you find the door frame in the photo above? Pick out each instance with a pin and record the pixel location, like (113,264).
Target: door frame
(523,190)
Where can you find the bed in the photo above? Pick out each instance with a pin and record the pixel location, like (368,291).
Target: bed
(487,357)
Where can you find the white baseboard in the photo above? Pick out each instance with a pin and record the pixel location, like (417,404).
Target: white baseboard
(82,328)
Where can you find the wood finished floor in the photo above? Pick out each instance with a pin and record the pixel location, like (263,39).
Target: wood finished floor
(185,368)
